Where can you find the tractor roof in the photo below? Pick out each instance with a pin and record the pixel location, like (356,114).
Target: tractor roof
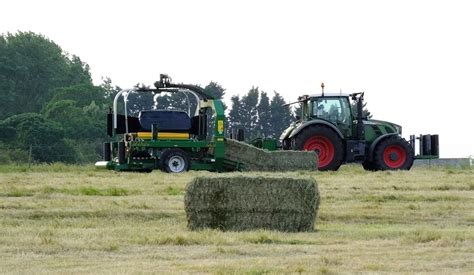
(329,94)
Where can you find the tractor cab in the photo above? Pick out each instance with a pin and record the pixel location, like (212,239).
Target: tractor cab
(335,109)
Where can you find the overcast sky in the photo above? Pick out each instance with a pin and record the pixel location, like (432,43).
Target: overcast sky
(413,59)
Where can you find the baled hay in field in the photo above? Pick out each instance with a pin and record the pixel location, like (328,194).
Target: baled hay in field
(238,202)
(256,159)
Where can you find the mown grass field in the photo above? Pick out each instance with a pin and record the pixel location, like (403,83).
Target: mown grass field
(69,219)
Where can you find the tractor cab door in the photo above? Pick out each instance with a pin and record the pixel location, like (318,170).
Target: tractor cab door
(335,110)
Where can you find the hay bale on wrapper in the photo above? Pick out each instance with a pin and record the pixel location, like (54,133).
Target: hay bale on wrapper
(240,202)
(256,159)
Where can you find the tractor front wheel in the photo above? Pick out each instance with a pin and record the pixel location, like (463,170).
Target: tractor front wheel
(368,165)
(393,153)
(325,142)
(174,161)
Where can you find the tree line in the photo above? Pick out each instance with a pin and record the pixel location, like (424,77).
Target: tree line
(50,110)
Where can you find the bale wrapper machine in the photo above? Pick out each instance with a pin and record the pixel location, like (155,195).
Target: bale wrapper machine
(171,140)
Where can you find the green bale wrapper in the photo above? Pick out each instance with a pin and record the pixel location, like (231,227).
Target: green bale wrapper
(243,202)
(256,159)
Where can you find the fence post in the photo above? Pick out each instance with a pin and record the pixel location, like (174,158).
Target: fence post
(30,150)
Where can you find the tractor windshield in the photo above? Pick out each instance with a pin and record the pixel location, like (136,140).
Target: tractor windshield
(336,110)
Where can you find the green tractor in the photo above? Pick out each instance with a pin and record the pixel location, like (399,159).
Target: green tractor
(328,126)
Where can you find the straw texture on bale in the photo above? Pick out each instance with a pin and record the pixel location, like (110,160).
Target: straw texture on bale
(256,159)
(240,202)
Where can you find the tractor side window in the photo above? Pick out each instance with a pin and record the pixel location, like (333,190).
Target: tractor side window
(346,112)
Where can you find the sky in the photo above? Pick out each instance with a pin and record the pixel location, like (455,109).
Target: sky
(413,59)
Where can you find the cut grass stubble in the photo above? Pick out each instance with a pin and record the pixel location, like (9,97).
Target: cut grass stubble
(78,220)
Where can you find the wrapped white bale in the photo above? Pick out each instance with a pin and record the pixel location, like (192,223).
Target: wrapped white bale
(256,159)
(240,202)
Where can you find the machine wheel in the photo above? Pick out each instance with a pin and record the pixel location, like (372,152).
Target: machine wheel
(174,161)
(393,153)
(327,144)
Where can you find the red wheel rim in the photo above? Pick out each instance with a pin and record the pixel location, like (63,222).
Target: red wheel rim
(323,146)
(394,156)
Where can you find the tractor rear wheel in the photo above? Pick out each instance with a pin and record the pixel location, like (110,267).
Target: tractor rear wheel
(327,144)
(393,153)
(174,161)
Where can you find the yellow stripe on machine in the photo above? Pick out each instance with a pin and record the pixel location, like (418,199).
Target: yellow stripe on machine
(164,135)
(220,126)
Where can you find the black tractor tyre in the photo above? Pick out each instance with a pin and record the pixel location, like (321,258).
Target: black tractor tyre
(368,165)
(286,144)
(325,142)
(174,161)
(393,153)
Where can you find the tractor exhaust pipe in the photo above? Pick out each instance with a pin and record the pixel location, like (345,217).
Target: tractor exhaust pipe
(360,124)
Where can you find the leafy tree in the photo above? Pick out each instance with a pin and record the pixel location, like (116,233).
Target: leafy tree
(80,110)
(280,115)
(365,112)
(297,109)
(82,94)
(181,101)
(215,89)
(45,137)
(235,113)
(77,72)
(264,115)
(109,89)
(31,67)
(176,101)
(249,114)
(259,117)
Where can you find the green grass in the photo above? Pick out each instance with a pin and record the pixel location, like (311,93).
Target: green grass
(174,191)
(74,219)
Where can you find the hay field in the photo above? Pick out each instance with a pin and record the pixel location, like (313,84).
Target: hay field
(64,219)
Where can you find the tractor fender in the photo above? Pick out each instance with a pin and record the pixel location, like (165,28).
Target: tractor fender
(287,132)
(315,122)
(375,142)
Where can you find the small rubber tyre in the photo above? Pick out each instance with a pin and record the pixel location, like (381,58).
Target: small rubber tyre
(327,144)
(174,161)
(393,153)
